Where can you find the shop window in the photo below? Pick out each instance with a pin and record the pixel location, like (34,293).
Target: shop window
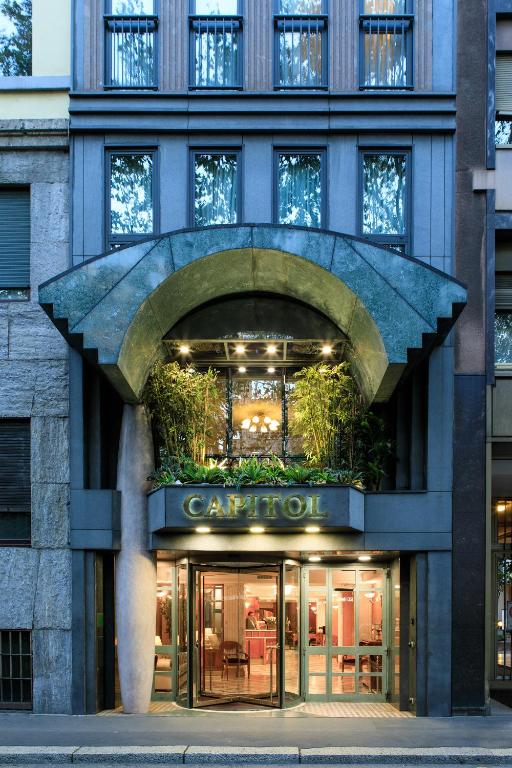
(16,669)
(131,197)
(300,196)
(16,38)
(216,189)
(386,44)
(501,544)
(14,243)
(131,44)
(300,44)
(216,44)
(15,481)
(385,198)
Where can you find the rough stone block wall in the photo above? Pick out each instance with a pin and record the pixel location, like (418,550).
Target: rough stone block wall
(35,582)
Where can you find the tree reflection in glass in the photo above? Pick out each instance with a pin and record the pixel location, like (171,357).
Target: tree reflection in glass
(300,189)
(215,189)
(503,337)
(216,7)
(384,7)
(131,194)
(300,56)
(297,7)
(384,194)
(216,54)
(132,7)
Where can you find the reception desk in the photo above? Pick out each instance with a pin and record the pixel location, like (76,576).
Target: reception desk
(257,640)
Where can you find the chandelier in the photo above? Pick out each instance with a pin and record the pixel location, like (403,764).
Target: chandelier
(260,423)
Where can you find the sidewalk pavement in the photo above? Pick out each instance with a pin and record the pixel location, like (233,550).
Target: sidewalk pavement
(216,738)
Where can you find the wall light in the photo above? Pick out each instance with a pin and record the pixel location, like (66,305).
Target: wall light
(312,529)
(257,529)
(271,369)
(203,529)
(242,369)
(184,349)
(314,558)
(364,558)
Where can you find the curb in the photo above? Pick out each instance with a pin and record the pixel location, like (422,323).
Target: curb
(282,756)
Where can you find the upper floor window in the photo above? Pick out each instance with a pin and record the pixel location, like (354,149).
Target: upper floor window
(132,194)
(300,44)
(503,125)
(14,242)
(216,44)
(131,45)
(386,43)
(15,37)
(300,194)
(15,495)
(216,188)
(385,198)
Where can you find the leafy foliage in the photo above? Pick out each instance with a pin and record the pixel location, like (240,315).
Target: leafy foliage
(16,39)
(185,407)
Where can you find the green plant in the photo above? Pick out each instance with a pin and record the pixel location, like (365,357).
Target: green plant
(186,408)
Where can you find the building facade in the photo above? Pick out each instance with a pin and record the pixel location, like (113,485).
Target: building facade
(35,559)
(258,187)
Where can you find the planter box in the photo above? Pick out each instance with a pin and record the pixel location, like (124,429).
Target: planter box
(289,508)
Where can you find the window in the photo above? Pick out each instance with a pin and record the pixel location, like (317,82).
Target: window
(300,198)
(131,47)
(386,43)
(132,194)
(300,44)
(15,669)
(15,480)
(385,198)
(503,124)
(216,188)
(16,38)
(503,314)
(216,44)
(14,243)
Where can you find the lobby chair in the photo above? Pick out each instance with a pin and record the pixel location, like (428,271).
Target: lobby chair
(233,657)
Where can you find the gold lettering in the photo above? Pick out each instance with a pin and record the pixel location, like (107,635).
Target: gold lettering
(236,504)
(215,508)
(315,503)
(296,510)
(252,513)
(270,512)
(193,505)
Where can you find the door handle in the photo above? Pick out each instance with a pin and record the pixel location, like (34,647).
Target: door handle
(411,644)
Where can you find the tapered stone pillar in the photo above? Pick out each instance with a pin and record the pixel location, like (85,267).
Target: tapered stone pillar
(135,566)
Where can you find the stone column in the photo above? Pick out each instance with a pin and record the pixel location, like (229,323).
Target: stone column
(135,566)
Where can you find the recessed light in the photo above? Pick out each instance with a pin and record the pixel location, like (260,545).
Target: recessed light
(242,369)
(239,349)
(312,529)
(272,349)
(314,558)
(271,369)
(326,349)
(257,529)
(203,529)
(364,558)
(184,349)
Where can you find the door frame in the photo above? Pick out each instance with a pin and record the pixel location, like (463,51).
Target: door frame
(307,650)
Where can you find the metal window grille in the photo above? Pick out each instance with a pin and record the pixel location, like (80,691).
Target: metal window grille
(300,51)
(216,51)
(386,44)
(16,669)
(131,51)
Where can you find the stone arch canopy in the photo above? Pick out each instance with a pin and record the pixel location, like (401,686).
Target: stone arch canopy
(116,308)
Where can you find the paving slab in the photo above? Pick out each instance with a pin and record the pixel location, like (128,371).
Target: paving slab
(11,755)
(130,755)
(406,756)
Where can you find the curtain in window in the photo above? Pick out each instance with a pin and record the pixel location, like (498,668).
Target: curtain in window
(300,53)
(216,7)
(215,189)
(300,190)
(131,194)
(385,7)
(384,194)
(289,7)
(133,7)
(385,53)
(216,53)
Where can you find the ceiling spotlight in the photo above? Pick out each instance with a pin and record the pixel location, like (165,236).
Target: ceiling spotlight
(242,369)
(184,349)
(239,349)
(272,349)
(501,506)
(257,529)
(312,529)
(314,558)
(364,558)
(326,349)
(203,529)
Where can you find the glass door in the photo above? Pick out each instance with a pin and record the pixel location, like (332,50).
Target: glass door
(345,633)
(182,642)
(237,626)
(290,640)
